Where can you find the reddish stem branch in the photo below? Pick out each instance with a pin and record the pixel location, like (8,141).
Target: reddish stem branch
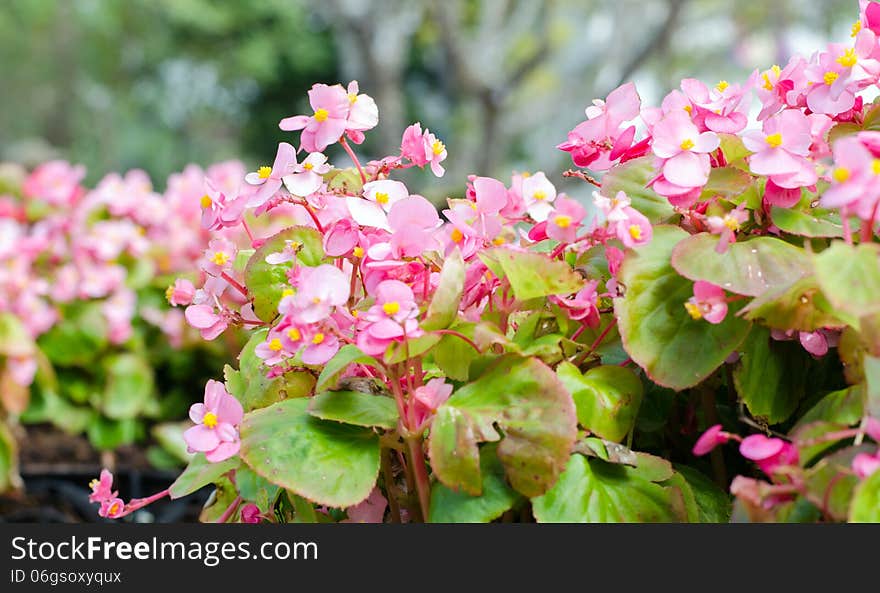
(234,283)
(452,332)
(353,157)
(581,175)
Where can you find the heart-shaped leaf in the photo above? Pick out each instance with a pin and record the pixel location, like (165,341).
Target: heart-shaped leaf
(533,409)
(657,332)
(607,398)
(326,462)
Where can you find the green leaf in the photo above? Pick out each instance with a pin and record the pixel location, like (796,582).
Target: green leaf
(78,338)
(444,304)
(15,340)
(747,267)
(326,462)
(221,498)
(255,489)
(845,406)
(733,148)
(592,491)
(9,477)
(449,506)
(607,398)
(129,386)
(347,355)
(632,177)
(726,182)
(657,332)
(832,481)
(850,277)
(201,472)
(344,181)
(266,282)
(801,306)
(866,502)
(770,377)
(355,407)
(815,223)
(454,356)
(526,400)
(871,366)
(521,268)
(714,504)
(106,434)
(169,435)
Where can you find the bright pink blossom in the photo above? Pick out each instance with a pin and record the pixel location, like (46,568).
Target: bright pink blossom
(102,487)
(683,150)
(708,302)
(564,220)
(538,195)
(216,431)
(180,293)
(391,319)
(710,439)
(331,106)
(427,398)
(780,150)
(56,182)
(270,178)
(768,453)
(307,177)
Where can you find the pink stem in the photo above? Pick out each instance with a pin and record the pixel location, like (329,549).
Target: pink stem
(354,158)
(230,510)
(235,284)
(452,332)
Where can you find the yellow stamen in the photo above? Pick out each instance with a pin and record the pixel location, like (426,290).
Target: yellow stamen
(635,231)
(540,195)
(776,70)
(352,97)
(169,292)
(841,174)
(275,345)
(689,108)
(693,310)
(848,59)
(391,307)
(687,144)
(206,201)
(767,84)
(456,236)
(114,509)
(875,167)
(857,26)
(722,86)
(381,197)
(287,292)
(499,240)
(562,221)
(264,172)
(210,420)
(731,223)
(220,258)
(94,483)
(774,140)
(830,77)
(308,166)
(316,300)
(438,147)
(358,251)
(321,115)
(294,334)
(318,339)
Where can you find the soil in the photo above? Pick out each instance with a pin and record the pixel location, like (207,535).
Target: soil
(57,467)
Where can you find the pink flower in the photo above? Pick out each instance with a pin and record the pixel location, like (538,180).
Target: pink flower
(480,217)
(872,428)
(413,221)
(379,196)
(683,150)
(219,256)
(708,302)
(727,226)
(363,113)
(391,319)
(306,177)
(331,105)
(831,91)
(710,439)
(780,151)
(422,148)
(180,293)
(270,178)
(111,508)
(768,453)
(814,342)
(599,141)
(634,229)
(320,289)
(582,306)
(56,182)
(538,195)
(426,400)
(219,210)
(854,178)
(341,238)
(564,220)
(102,487)
(203,318)
(216,431)
(250,513)
(865,464)
(722,109)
